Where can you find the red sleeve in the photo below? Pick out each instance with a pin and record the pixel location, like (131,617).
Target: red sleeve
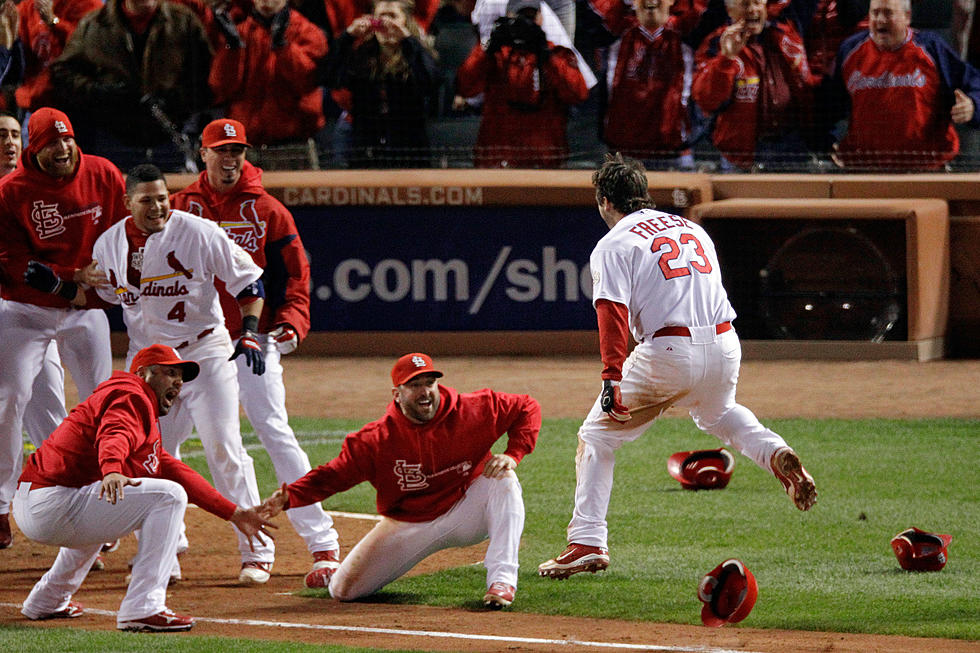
(613,331)
(714,78)
(523,423)
(566,76)
(284,252)
(199,491)
(227,73)
(337,475)
(296,64)
(124,424)
(471,77)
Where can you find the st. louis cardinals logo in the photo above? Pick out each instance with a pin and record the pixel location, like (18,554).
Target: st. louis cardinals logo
(152,462)
(250,230)
(410,477)
(49,222)
(418,361)
(152,288)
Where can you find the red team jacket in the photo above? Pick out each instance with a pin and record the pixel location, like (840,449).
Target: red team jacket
(43,44)
(517,137)
(900,101)
(55,221)
(421,470)
(274,93)
(116,430)
(754,101)
(265,229)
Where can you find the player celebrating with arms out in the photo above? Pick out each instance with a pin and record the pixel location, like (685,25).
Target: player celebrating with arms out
(438,483)
(658,275)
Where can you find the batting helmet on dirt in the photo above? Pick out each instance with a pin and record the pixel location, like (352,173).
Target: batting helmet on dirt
(921,550)
(728,592)
(708,469)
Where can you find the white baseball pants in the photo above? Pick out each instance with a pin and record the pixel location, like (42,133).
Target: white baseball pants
(82,337)
(491,507)
(264,401)
(697,373)
(46,409)
(209,403)
(79,522)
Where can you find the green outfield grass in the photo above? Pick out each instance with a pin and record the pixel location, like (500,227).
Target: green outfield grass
(830,569)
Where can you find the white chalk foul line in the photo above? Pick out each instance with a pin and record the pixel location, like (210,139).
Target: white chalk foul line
(443,635)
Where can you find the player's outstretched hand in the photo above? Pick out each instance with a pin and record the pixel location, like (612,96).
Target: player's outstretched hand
(248,346)
(41,277)
(286,338)
(113,484)
(611,401)
(275,503)
(252,524)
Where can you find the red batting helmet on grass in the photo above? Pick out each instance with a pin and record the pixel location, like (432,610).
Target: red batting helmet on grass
(707,469)
(728,592)
(921,550)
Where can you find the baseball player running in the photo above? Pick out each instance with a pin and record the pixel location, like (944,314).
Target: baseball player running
(109,448)
(52,208)
(162,266)
(438,484)
(230,192)
(657,275)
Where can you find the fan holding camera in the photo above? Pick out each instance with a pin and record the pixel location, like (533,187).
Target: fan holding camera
(528,84)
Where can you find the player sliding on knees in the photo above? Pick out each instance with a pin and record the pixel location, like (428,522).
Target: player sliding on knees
(657,275)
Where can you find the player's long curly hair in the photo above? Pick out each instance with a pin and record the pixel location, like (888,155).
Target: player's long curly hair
(622,181)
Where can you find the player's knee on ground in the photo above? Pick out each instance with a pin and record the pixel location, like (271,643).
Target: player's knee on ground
(342,588)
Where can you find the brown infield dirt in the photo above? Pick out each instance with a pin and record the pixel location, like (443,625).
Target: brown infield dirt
(566,387)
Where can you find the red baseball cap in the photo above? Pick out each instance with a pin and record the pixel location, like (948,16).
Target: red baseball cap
(46,125)
(164,355)
(729,592)
(223,132)
(919,550)
(410,366)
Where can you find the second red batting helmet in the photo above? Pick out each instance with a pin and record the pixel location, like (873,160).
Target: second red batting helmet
(708,469)
(920,550)
(728,592)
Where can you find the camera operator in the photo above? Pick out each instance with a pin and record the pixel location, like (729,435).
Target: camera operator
(528,85)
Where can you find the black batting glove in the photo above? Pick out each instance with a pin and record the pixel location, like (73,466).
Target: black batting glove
(249,347)
(40,277)
(611,401)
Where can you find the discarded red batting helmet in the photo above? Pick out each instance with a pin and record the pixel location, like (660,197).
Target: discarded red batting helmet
(921,550)
(708,469)
(728,592)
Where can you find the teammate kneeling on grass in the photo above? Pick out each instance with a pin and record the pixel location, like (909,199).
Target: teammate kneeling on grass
(438,484)
(109,448)
(658,275)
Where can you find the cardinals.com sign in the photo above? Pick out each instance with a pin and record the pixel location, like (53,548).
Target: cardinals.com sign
(444,269)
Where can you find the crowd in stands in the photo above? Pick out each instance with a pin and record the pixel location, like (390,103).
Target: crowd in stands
(730,85)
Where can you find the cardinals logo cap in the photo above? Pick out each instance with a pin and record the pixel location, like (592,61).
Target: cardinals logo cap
(46,125)
(410,366)
(224,132)
(728,592)
(164,355)
(707,469)
(919,550)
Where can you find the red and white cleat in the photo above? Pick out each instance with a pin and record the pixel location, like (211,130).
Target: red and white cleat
(796,481)
(575,559)
(325,564)
(499,595)
(72,611)
(164,621)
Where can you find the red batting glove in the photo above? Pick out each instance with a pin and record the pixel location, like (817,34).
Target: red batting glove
(611,401)
(285,338)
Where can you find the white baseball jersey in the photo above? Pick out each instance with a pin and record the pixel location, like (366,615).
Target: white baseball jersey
(664,269)
(177,301)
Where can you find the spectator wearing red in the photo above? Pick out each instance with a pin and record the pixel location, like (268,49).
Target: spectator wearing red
(753,75)
(647,114)
(266,75)
(42,28)
(528,84)
(385,63)
(905,91)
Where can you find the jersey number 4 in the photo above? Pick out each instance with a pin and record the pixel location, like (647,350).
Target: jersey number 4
(669,256)
(178,313)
